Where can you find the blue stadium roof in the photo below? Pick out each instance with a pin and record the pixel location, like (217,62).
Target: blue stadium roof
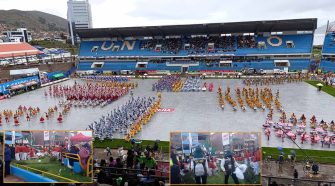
(309,24)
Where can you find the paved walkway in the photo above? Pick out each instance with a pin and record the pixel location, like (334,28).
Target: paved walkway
(327,172)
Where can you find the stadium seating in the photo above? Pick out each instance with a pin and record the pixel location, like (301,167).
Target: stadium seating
(171,47)
(329,44)
(327,65)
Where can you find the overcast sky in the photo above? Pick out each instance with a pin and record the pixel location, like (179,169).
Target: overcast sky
(116,13)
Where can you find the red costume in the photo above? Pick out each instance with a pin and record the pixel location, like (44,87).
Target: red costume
(16,121)
(60,118)
(28,117)
(42,119)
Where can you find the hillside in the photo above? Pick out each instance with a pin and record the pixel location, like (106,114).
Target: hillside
(33,20)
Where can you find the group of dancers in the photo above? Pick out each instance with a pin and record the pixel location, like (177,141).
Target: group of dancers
(29,113)
(127,119)
(255,98)
(319,132)
(106,78)
(278,79)
(173,83)
(169,83)
(89,94)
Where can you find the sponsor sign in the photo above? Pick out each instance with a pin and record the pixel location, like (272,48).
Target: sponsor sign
(165,110)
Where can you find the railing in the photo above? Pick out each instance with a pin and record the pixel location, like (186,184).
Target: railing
(267,180)
(113,173)
(43,172)
(88,168)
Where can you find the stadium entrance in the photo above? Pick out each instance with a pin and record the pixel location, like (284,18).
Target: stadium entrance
(184,69)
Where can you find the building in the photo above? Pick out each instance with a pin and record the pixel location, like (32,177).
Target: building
(79,16)
(20,35)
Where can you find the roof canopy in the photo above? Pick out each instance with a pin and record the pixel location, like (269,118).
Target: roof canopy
(80,137)
(8,50)
(202,29)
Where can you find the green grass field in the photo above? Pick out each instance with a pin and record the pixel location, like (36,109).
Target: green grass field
(326,88)
(321,156)
(115,143)
(54,167)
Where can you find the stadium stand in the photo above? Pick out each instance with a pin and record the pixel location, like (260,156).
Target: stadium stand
(328,50)
(199,47)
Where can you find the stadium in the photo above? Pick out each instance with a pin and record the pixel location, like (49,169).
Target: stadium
(141,83)
(215,47)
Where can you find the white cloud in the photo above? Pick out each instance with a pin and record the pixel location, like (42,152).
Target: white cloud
(117,13)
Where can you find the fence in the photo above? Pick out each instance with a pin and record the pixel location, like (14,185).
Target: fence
(88,168)
(267,180)
(110,174)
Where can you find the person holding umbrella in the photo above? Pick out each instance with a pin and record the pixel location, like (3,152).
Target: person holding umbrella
(320,85)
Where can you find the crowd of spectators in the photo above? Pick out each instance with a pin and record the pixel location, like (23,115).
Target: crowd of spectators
(136,161)
(168,45)
(246,42)
(199,44)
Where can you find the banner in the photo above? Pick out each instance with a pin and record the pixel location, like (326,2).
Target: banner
(225,139)
(165,110)
(46,135)
(18,82)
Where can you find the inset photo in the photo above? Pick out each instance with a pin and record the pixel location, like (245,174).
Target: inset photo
(215,158)
(48,157)
(134,162)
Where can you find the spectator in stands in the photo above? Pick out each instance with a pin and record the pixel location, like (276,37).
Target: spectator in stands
(119,163)
(149,163)
(103,163)
(112,162)
(8,159)
(175,170)
(130,159)
(155,148)
(73,150)
(84,153)
(295,174)
(274,183)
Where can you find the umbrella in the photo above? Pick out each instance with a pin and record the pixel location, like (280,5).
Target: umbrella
(145,74)
(204,74)
(280,148)
(319,84)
